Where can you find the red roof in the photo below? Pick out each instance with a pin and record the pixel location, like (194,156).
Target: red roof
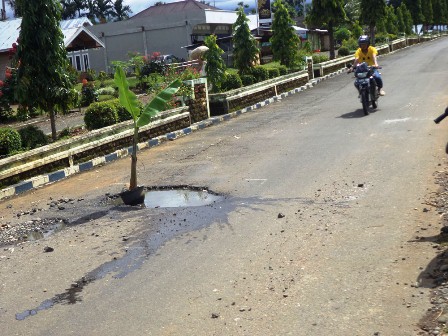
(173,7)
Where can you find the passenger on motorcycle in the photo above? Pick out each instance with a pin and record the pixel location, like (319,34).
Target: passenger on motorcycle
(367,53)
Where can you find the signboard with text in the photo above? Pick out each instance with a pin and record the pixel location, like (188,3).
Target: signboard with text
(264,10)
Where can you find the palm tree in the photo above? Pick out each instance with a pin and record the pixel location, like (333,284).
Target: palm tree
(68,9)
(121,12)
(103,9)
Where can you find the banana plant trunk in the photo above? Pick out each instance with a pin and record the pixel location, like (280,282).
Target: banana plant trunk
(133,181)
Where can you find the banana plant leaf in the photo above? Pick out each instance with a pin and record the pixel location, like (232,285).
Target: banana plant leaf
(158,103)
(127,98)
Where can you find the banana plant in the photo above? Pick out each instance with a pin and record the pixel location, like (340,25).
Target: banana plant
(141,117)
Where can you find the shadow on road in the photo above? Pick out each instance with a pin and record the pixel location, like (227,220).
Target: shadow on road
(359,113)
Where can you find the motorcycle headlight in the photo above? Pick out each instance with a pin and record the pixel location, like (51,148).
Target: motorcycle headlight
(361,75)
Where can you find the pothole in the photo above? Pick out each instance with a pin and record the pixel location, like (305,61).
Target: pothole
(179,196)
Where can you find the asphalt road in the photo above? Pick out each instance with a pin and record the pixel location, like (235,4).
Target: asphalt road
(315,235)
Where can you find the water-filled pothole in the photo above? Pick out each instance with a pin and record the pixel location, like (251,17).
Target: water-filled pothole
(176,197)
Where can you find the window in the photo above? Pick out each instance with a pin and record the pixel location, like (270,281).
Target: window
(86,62)
(78,62)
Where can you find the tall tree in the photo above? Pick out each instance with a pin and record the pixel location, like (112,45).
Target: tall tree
(121,12)
(352,9)
(427,14)
(440,12)
(245,50)
(68,9)
(80,5)
(284,40)
(41,76)
(215,67)
(372,12)
(327,13)
(415,7)
(401,24)
(391,20)
(407,17)
(103,9)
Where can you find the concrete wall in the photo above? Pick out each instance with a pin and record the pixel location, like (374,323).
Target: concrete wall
(145,35)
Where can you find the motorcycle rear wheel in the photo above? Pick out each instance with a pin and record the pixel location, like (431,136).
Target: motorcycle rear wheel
(365,102)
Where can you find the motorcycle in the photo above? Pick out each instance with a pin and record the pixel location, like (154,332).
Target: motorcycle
(366,85)
(439,119)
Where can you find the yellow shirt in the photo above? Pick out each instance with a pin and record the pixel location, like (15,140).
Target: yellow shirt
(366,57)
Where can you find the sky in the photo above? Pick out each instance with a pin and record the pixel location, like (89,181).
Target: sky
(139,5)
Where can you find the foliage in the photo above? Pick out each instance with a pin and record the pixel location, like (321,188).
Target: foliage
(273,72)
(372,12)
(351,44)
(283,70)
(260,74)
(247,80)
(357,30)
(390,21)
(100,115)
(245,50)
(102,76)
(24,112)
(122,113)
(342,34)
(107,90)
(32,137)
(141,117)
(343,51)
(10,142)
(7,94)
(42,79)
(319,58)
(88,93)
(407,18)
(231,81)
(284,40)
(327,13)
(215,67)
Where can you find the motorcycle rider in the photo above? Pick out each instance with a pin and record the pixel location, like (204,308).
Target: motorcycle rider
(367,53)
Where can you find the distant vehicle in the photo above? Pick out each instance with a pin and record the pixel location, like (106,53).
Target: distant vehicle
(168,59)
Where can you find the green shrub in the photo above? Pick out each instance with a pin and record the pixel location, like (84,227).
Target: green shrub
(108,90)
(260,73)
(10,142)
(343,51)
(231,81)
(319,58)
(247,80)
(351,44)
(100,115)
(342,34)
(32,137)
(273,72)
(88,94)
(122,113)
(283,70)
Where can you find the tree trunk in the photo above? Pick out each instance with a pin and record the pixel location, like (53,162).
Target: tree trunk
(53,123)
(372,34)
(133,181)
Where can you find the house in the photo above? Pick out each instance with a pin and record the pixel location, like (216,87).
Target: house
(77,40)
(166,28)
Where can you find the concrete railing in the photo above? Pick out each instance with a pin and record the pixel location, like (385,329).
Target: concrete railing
(230,101)
(67,153)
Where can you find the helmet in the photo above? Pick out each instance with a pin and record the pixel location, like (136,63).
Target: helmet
(364,39)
